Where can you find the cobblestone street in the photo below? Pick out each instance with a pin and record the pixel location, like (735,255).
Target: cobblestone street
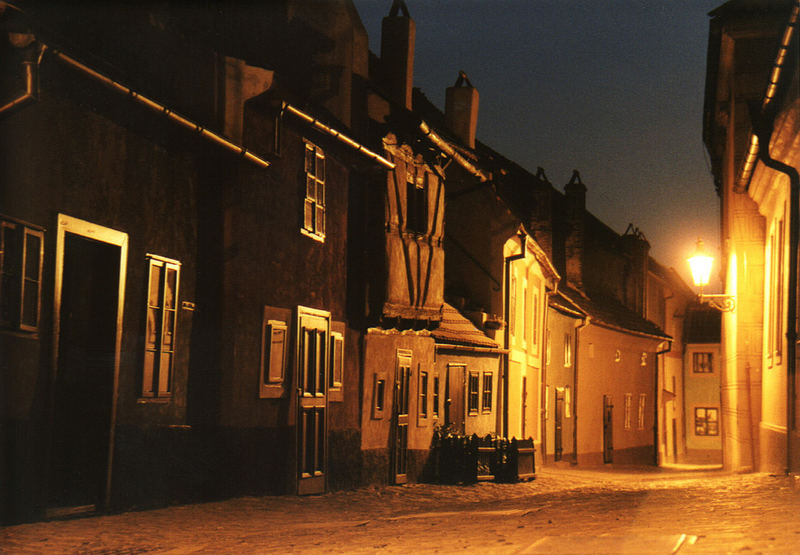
(562,511)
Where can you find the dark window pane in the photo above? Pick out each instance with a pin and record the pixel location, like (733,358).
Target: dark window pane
(32,247)
(155,284)
(170,288)
(30,304)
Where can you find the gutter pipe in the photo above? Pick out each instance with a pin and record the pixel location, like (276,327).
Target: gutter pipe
(31,86)
(575,358)
(445,147)
(161,109)
(285,107)
(657,402)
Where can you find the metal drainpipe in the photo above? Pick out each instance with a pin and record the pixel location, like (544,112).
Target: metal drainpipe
(31,84)
(575,357)
(791,310)
(507,334)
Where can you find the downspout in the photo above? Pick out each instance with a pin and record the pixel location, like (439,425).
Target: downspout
(657,403)
(30,69)
(575,358)
(507,333)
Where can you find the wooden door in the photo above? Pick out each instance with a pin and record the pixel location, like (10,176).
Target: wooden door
(558,448)
(399,433)
(608,430)
(312,388)
(454,397)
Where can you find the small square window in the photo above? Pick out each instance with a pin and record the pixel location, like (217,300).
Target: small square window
(706,421)
(702,363)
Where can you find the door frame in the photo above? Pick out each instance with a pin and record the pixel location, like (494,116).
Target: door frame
(89,230)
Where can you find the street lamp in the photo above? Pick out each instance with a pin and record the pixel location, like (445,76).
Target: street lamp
(700,264)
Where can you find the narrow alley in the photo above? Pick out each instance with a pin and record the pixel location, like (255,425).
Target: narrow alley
(565,510)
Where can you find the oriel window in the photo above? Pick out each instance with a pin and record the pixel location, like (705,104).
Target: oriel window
(162,316)
(314,203)
(21,256)
(416,199)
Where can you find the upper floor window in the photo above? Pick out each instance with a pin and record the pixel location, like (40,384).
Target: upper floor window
(314,203)
(416,199)
(567,349)
(702,363)
(21,256)
(162,315)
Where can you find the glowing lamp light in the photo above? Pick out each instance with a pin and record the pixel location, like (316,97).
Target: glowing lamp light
(700,264)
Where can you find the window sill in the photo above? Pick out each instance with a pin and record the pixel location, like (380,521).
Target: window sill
(153,400)
(271,391)
(312,235)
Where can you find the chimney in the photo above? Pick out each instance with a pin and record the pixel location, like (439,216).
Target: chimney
(575,196)
(636,250)
(397,53)
(541,218)
(461,109)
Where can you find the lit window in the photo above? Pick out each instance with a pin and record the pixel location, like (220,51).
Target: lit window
(702,363)
(378,396)
(567,402)
(436,396)
(416,199)
(642,403)
(567,349)
(314,204)
(706,422)
(21,256)
(336,367)
(627,411)
(273,354)
(473,393)
(423,394)
(487,392)
(512,308)
(162,315)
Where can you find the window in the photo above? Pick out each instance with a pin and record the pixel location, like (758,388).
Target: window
(472,406)
(273,355)
(436,396)
(313,346)
(535,321)
(314,204)
(21,256)
(642,403)
(567,402)
(487,392)
(512,308)
(567,349)
(416,199)
(423,394)
(706,421)
(162,314)
(777,322)
(627,411)
(378,396)
(336,366)
(526,314)
(701,363)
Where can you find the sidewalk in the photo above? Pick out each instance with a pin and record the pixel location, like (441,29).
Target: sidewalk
(631,510)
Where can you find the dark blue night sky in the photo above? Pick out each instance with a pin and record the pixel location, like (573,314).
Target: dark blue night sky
(613,89)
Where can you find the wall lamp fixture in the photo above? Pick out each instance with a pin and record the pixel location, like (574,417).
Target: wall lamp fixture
(700,264)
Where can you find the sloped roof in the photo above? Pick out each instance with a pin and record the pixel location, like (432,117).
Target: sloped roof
(455,329)
(606,311)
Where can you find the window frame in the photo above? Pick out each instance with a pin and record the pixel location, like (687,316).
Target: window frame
(436,396)
(336,354)
(19,232)
(317,206)
(473,398)
(378,395)
(567,350)
(701,422)
(422,395)
(269,385)
(627,414)
(697,364)
(641,416)
(161,387)
(487,392)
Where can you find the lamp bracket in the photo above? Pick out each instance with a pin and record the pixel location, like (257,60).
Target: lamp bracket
(723,303)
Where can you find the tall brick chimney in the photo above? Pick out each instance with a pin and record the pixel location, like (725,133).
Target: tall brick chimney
(541,223)
(397,53)
(575,197)
(461,109)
